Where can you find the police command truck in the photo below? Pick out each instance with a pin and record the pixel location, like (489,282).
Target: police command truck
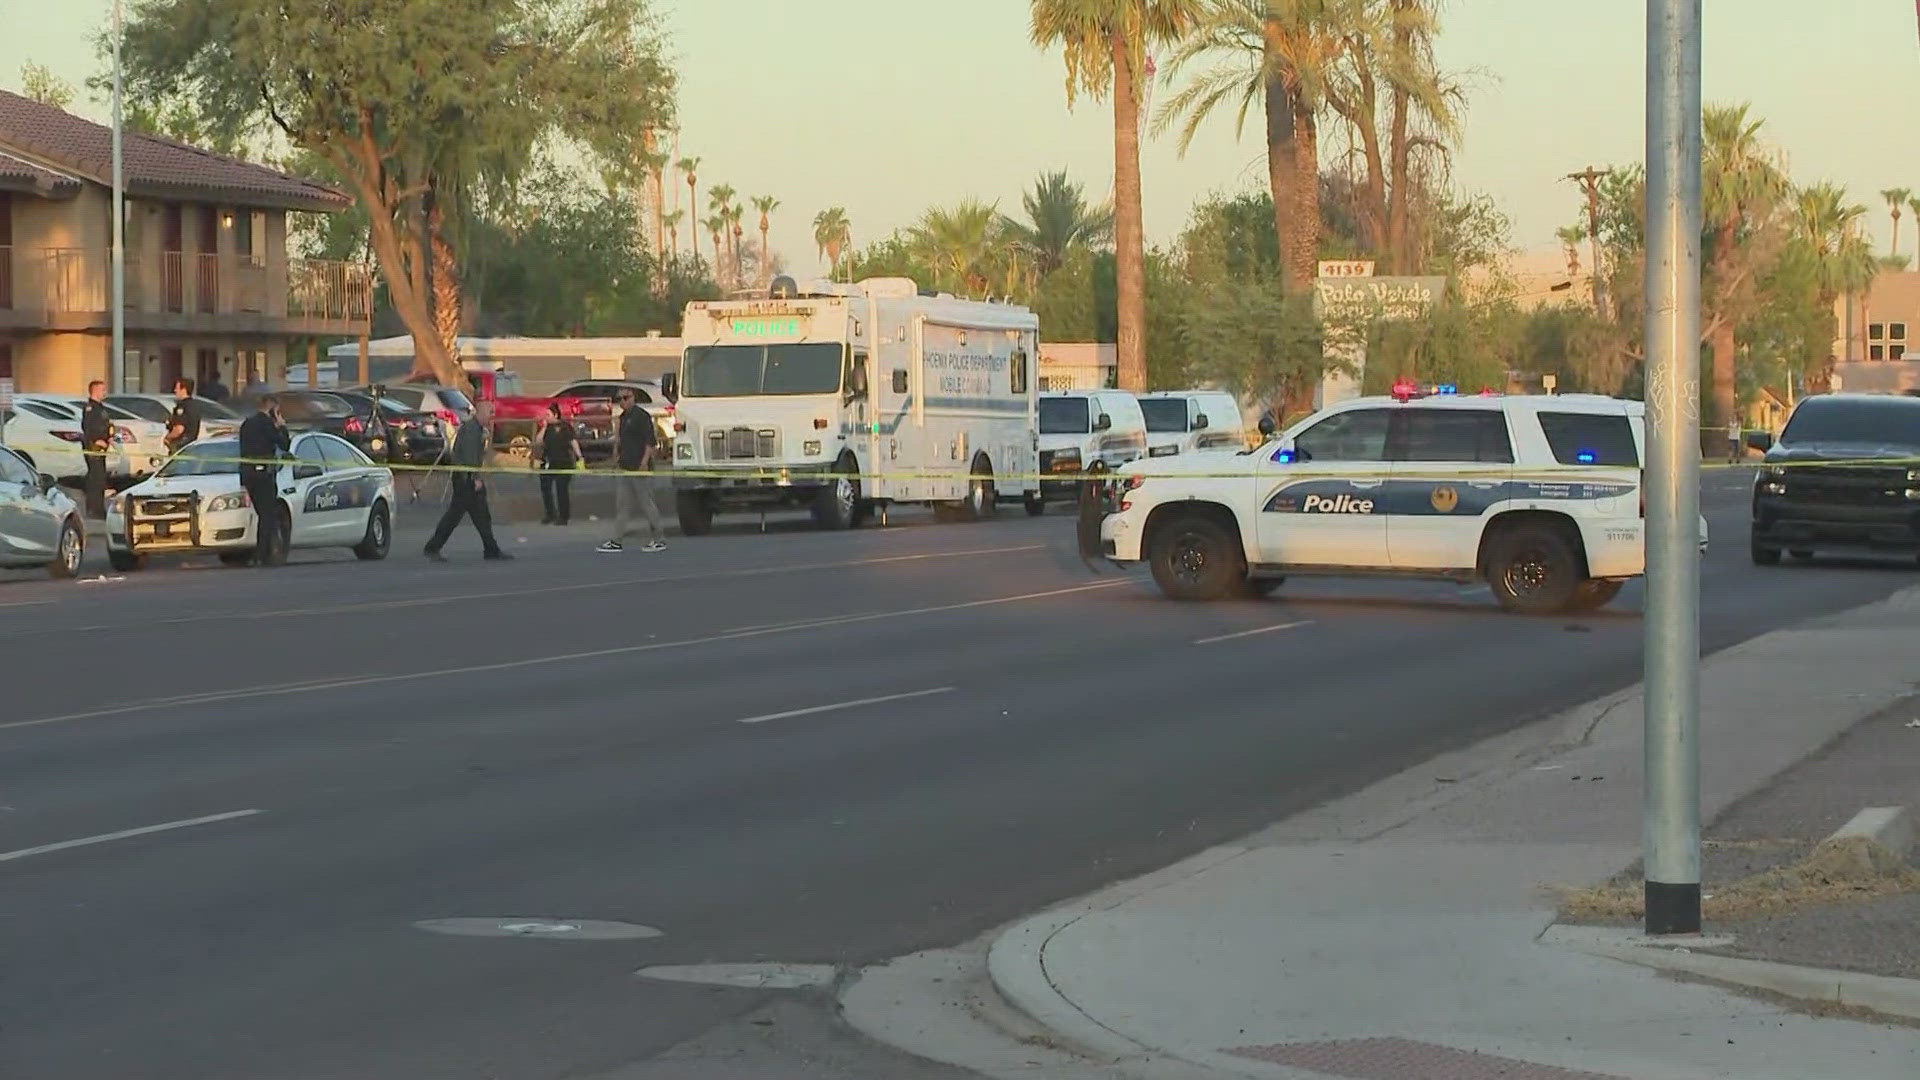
(1540,497)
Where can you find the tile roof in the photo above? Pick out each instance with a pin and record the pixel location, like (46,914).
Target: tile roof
(19,174)
(153,166)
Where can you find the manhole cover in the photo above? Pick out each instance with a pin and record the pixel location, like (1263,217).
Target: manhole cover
(1404,1059)
(551,929)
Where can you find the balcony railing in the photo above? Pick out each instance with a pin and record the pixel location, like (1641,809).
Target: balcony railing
(206,283)
(173,281)
(326,289)
(71,280)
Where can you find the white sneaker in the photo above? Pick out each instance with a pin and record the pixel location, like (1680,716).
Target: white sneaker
(611,546)
(654,545)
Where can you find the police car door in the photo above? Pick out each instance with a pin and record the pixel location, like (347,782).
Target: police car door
(1451,465)
(1320,496)
(308,473)
(346,496)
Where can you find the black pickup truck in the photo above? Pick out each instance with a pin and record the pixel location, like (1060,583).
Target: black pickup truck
(1844,475)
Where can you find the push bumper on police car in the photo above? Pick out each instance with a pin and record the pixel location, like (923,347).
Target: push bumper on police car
(184,522)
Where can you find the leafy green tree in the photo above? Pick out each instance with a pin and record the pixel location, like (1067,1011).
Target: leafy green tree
(393,92)
(42,85)
(1743,190)
(1105,45)
(1252,338)
(1059,220)
(831,231)
(962,244)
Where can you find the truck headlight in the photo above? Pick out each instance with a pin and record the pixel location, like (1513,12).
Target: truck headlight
(233,500)
(810,448)
(683,451)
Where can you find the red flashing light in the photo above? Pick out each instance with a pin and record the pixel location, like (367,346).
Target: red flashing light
(1405,390)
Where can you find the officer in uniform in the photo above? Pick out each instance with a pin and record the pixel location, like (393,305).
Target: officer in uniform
(263,438)
(183,426)
(96,438)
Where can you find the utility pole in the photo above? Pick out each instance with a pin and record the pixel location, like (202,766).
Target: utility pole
(1671,831)
(117,362)
(1590,179)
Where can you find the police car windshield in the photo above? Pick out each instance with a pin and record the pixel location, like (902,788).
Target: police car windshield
(205,459)
(1064,416)
(1887,421)
(751,370)
(1165,414)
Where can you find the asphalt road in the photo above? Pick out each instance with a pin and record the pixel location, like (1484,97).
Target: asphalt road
(666,740)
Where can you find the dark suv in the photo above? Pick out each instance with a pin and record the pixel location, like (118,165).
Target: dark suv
(1845,474)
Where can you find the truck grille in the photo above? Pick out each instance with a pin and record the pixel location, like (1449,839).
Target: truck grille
(742,444)
(1847,486)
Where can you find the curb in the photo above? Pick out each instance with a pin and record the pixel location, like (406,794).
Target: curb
(1891,827)
(1879,993)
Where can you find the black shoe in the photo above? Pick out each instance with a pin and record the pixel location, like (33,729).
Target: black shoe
(498,556)
(546,521)
(434,556)
(562,523)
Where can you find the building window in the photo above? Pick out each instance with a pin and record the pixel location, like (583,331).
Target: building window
(1897,331)
(1896,352)
(250,237)
(1876,331)
(1876,352)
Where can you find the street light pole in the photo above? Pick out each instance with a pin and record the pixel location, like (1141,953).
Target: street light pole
(117,362)
(1671,839)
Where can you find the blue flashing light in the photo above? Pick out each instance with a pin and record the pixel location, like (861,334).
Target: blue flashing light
(1284,457)
(1447,388)
(1586,457)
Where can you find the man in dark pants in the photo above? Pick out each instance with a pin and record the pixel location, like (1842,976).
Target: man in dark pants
(263,438)
(183,426)
(469,494)
(96,438)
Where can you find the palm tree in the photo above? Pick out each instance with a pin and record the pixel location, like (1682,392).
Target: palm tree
(960,244)
(1058,220)
(830,232)
(1897,200)
(1105,44)
(1742,186)
(715,224)
(766,204)
(691,167)
(672,221)
(1280,54)
(1829,227)
(734,213)
(1571,237)
(719,200)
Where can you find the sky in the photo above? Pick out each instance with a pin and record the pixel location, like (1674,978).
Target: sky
(886,107)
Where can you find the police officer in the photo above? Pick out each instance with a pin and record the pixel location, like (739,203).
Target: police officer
(263,438)
(96,438)
(469,495)
(183,426)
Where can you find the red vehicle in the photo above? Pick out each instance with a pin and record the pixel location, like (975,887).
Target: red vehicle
(517,416)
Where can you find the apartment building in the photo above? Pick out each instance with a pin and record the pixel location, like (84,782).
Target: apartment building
(210,286)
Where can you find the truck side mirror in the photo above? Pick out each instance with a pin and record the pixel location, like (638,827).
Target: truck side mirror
(670,386)
(1268,427)
(1200,422)
(1103,422)
(857,382)
(1760,440)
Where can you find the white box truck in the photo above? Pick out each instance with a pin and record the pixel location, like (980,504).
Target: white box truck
(841,398)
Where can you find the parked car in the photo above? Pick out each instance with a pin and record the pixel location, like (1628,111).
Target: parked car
(412,437)
(216,420)
(596,424)
(335,414)
(39,524)
(45,429)
(450,406)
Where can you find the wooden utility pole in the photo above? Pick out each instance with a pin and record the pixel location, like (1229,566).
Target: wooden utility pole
(1590,179)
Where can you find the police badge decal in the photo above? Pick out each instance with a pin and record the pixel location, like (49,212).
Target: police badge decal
(1445,498)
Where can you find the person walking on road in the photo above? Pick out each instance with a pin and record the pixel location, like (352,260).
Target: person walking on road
(183,427)
(468,497)
(263,439)
(558,447)
(96,437)
(635,443)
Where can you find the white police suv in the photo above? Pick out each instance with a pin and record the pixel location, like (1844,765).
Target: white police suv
(1538,496)
(329,495)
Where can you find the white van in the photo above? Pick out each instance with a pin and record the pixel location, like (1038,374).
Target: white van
(1185,421)
(1083,431)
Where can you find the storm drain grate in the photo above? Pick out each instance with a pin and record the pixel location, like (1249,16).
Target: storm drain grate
(1404,1059)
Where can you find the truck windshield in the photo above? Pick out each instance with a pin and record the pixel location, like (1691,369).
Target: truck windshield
(1064,416)
(748,370)
(1165,414)
(1888,421)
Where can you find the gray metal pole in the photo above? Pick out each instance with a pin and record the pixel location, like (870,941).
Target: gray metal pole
(1671,839)
(117,361)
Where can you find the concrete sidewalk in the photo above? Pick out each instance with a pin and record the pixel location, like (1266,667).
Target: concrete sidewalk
(1395,934)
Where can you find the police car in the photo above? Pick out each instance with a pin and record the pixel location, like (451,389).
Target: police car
(1540,497)
(330,495)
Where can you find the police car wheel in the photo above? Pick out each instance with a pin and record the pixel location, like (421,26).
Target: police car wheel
(1533,569)
(379,538)
(695,512)
(1594,594)
(1035,504)
(1194,558)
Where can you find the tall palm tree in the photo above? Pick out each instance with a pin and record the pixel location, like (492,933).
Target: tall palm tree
(734,214)
(1571,237)
(1897,200)
(672,221)
(1742,186)
(766,204)
(960,244)
(1105,44)
(719,201)
(1829,227)
(690,167)
(1058,221)
(830,232)
(1281,55)
(715,224)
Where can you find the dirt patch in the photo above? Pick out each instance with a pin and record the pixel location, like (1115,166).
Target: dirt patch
(1841,870)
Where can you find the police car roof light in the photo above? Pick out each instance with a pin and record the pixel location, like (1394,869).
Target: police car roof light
(1445,389)
(1586,457)
(1405,390)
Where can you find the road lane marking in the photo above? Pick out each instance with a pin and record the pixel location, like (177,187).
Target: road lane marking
(1257,630)
(857,703)
(144,830)
(562,658)
(539,590)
